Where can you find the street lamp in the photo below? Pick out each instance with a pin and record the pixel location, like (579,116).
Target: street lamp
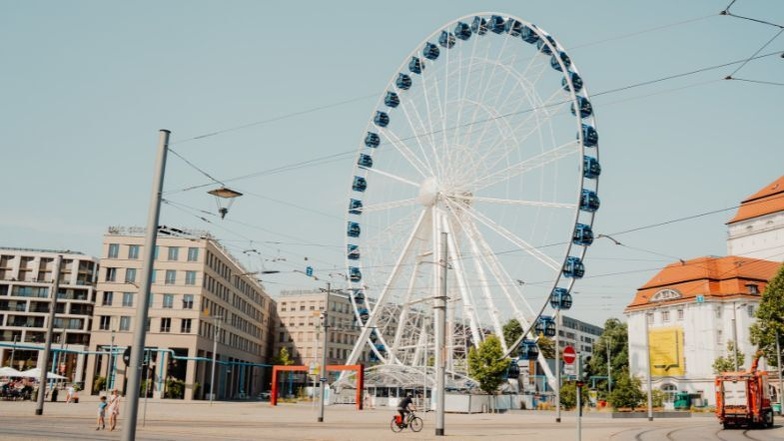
(735,332)
(214,356)
(323,379)
(648,316)
(13,350)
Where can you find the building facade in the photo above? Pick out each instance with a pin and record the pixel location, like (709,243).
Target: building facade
(757,230)
(26,281)
(578,334)
(200,294)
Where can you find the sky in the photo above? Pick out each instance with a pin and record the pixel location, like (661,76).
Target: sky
(285,89)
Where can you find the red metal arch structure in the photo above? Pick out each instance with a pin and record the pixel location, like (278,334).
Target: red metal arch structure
(358,368)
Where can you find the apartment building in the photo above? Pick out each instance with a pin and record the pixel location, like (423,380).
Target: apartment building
(578,334)
(26,281)
(200,293)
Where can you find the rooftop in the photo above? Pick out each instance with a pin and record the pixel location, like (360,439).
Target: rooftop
(40,250)
(769,200)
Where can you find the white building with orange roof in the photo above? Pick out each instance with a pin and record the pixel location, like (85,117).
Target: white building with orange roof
(757,230)
(693,309)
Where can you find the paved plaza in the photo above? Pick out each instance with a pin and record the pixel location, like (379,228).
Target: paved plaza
(173,420)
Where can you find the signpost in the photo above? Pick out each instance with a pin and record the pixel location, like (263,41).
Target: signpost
(569,356)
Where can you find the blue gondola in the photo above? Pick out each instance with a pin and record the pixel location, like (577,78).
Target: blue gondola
(352,252)
(403,81)
(544,47)
(462,31)
(479,26)
(528,350)
(365,161)
(360,184)
(430,51)
(497,24)
(359,297)
(353,229)
(513,371)
(416,65)
(574,268)
(373,336)
(447,39)
(355,206)
(364,314)
(590,136)
(354,274)
(586,109)
(591,167)
(564,58)
(372,140)
(561,299)
(583,235)
(577,81)
(391,100)
(529,35)
(381,119)
(589,201)
(513,27)
(545,325)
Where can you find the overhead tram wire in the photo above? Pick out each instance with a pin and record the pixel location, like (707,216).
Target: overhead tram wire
(196,167)
(729,77)
(770,83)
(644,31)
(727,12)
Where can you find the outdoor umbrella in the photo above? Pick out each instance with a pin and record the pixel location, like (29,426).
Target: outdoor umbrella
(36,373)
(9,372)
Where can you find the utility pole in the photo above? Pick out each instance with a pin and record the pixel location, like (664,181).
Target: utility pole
(648,366)
(140,323)
(13,350)
(439,311)
(557,365)
(214,357)
(109,384)
(39,410)
(579,390)
(323,378)
(609,367)
(778,367)
(735,335)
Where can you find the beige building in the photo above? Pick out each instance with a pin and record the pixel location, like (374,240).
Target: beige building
(198,290)
(26,277)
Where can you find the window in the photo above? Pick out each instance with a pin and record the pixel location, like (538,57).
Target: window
(187,301)
(190,277)
(147,326)
(193,254)
(719,338)
(171,276)
(718,312)
(111,274)
(133,252)
(127,299)
(750,310)
(125,323)
(153,276)
(680,314)
(174,252)
(107,298)
(185,326)
(114,250)
(155,253)
(665,316)
(130,275)
(649,316)
(105,323)
(168,300)
(165,324)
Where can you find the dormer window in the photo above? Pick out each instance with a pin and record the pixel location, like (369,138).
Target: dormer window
(752,288)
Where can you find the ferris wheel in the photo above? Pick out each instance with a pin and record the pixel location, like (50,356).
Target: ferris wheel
(486,133)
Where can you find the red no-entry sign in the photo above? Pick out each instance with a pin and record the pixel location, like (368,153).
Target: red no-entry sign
(569,355)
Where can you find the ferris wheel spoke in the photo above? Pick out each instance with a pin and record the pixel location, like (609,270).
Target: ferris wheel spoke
(377,171)
(385,206)
(405,152)
(418,129)
(465,292)
(511,237)
(527,165)
(501,201)
(404,310)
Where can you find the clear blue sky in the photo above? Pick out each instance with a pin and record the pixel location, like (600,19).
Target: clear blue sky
(85,85)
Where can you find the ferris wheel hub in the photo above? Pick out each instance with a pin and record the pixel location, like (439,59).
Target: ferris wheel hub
(428,192)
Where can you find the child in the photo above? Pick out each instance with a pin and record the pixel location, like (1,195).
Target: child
(101,413)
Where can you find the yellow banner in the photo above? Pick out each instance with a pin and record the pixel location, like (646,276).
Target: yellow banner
(666,346)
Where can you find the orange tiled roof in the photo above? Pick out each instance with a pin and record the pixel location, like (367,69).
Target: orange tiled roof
(706,276)
(766,201)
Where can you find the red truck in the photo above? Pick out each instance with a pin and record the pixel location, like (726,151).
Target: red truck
(743,399)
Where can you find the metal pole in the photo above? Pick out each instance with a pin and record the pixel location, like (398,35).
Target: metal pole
(146,385)
(778,368)
(424,367)
(648,368)
(323,378)
(39,410)
(579,390)
(214,356)
(439,311)
(140,323)
(13,351)
(609,368)
(735,335)
(557,366)
(110,370)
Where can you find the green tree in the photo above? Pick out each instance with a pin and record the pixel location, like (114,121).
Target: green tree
(99,383)
(486,364)
(615,337)
(627,392)
(546,347)
(283,358)
(512,331)
(727,363)
(569,395)
(770,318)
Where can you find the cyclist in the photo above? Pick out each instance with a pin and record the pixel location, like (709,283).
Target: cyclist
(405,406)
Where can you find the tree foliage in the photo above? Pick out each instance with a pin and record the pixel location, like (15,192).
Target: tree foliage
(770,318)
(616,336)
(283,358)
(569,395)
(486,366)
(727,363)
(546,347)
(627,392)
(512,331)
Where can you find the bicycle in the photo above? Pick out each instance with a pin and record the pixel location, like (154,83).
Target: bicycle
(412,421)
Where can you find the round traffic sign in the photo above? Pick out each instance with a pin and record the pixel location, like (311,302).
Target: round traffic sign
(569,355)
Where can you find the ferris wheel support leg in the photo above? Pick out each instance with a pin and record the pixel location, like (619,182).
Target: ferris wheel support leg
(468,304)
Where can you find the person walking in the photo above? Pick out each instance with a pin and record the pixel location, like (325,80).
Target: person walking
(71,392)
(102,413)
(114,409)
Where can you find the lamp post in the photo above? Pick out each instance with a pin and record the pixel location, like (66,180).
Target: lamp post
(778,367)
(323,378)
(557,366)
(110,367)
(13,350)
(735,335)
(609,367)
(648,315)
(439,313)
(39,410)
(214,357)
